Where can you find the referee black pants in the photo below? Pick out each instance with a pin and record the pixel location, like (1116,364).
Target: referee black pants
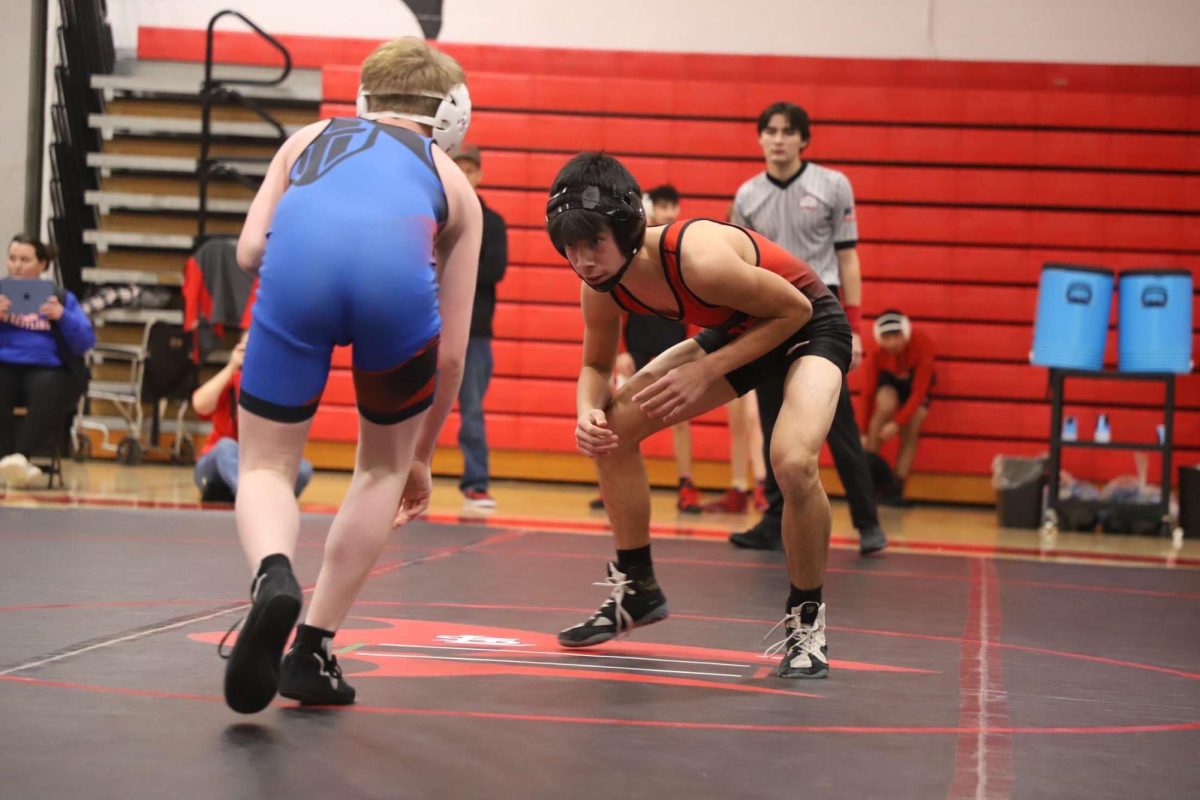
(845,444)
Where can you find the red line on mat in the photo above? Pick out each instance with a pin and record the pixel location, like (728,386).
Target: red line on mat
(635,723)
(658,529)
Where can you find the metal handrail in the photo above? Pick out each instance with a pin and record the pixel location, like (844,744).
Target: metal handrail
(213,89)
(225,93)
(271,40)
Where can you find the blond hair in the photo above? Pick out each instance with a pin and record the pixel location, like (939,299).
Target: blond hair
(396,70)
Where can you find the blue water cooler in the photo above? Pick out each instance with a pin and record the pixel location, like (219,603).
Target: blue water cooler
(1155,329)
(1071,328)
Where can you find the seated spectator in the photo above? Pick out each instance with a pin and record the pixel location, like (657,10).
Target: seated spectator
(896,382)
(41,365)
(216,472)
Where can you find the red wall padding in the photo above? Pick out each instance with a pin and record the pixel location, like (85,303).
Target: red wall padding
(181,44)
(968,178)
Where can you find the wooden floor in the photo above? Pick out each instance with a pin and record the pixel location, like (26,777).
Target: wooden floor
(925,528)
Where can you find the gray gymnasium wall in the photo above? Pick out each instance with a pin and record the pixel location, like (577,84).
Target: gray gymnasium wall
(16,46)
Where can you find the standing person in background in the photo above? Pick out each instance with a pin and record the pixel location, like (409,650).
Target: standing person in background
(40,363)
(493,260)
(897,378)
(745,457)
(745,452)
(809,210)
(648,336)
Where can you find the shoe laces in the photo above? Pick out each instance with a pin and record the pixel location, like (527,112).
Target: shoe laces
(799,637)
(330,668)
(333,667)
(221,644)
(621,618)
(258,579)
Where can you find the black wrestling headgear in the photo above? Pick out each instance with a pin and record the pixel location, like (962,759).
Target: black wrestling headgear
(624,212)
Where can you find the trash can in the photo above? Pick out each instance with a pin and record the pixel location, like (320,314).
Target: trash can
(1019,482)
(1189,500)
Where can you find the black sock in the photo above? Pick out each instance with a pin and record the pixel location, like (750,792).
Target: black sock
(809,601)
(274,561)
(637,560)
(312,638)
(684,480)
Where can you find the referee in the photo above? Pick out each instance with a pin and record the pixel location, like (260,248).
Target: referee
(809,210)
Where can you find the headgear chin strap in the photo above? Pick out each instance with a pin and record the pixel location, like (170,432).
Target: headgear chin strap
(626,216)
(892,321)
(449,122)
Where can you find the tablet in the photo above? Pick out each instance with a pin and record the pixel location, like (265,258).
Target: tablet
(27,295)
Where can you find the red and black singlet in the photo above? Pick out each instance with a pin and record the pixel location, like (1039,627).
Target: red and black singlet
(694,310)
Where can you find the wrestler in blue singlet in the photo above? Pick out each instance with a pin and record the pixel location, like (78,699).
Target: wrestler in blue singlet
(349,260)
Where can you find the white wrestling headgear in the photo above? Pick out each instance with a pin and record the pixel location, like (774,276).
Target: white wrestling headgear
(892,321)
(449,122)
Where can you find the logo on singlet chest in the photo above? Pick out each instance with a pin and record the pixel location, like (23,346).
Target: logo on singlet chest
(335,145)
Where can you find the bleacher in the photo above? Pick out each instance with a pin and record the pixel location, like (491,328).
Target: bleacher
(968,176)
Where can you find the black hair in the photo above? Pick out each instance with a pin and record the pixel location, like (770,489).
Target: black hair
(41,250)
(588,169)
(796,116)
(664,194)
(576,225)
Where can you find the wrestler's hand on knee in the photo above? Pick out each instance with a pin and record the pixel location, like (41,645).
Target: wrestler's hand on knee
(673,394)
(415,500)
(593,437)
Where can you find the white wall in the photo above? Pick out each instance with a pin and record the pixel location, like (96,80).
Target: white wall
(14,98)
(1090,31)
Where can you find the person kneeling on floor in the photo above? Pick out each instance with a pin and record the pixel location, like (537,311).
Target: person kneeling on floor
(216,472)
(897,378)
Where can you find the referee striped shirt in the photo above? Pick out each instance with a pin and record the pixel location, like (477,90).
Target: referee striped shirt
(811,215)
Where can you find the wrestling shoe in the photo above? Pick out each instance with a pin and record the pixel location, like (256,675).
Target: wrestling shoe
(632,603)
(252,673)
(734,501)
(760,497)
(314,677)
(805,654)
(689,497)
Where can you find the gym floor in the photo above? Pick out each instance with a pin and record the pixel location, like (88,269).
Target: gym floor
(968,661)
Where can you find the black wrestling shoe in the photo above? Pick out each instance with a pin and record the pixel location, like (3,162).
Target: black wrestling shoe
(763,536)
(314,677)
(805,654)
(871,540)
(633,603)
(252,674)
